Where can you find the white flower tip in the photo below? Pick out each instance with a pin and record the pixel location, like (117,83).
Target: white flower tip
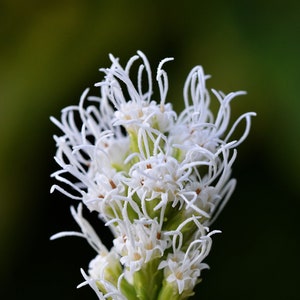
(52,119)
(58,235)
(84,275)
(140,53)
(84,94)
(112,57)
(162,62)
(166,60)
(214,232)
(53,187)
(240,93)
(55,236)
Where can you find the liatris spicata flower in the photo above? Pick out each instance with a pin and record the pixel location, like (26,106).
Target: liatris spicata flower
(158,180)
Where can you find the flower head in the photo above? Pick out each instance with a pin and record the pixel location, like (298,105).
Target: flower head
(157,179)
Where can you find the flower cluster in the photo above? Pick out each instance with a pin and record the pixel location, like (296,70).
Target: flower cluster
(157,179)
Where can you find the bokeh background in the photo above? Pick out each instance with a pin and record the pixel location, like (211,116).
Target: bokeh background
(51,51)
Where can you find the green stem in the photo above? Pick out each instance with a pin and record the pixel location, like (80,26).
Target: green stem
(168,292)
(128,290)
(148,280)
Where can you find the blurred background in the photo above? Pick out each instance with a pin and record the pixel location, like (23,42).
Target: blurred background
(51,51)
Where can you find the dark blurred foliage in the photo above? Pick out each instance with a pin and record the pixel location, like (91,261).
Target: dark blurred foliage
(51,51)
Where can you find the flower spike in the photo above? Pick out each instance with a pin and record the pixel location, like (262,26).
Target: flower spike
(157,179)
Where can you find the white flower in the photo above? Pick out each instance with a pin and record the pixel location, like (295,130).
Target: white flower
(111,291)
(138,242)
(157,179)
(106,267)
(182,267)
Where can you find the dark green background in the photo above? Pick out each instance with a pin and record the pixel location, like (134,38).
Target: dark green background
(51,51)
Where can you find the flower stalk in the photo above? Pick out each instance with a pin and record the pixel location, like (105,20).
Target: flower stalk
(158,180)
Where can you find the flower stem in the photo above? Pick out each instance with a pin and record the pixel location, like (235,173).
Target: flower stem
(147,281)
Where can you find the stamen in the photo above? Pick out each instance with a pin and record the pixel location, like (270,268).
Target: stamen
(112,184)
